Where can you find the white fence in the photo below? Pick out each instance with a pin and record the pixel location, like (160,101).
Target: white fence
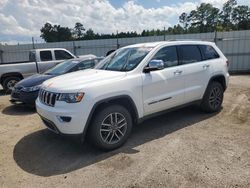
(234,44)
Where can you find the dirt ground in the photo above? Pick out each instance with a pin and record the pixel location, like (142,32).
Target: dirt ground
(185,148)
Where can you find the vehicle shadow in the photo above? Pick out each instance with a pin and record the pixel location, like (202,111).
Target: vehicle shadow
(16,110)
(46,154)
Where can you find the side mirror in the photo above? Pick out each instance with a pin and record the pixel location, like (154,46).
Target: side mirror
(154,65)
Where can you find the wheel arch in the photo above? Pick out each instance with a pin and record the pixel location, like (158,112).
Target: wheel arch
(123,100)
(10,74)
(219,78)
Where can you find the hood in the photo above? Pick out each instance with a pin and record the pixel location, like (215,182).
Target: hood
(34,80)
(76,81)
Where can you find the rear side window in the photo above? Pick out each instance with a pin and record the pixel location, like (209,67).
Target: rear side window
(189,54)
(208,52)
(61,54)
(32,56)
(45,55)
(168,55)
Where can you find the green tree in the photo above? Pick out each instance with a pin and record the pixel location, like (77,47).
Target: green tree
(241,17)
(89,34)
(55,33)
(78,30)
(184,19)
(226,14)
(204,18)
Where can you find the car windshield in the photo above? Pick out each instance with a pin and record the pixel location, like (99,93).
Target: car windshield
(62,68)
(125,59)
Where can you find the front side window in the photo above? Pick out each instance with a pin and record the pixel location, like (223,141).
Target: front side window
(208,52)
(45,55)
(63,67)
(125,59)
(168,55)
(86,65)
(61,54)
(189,54)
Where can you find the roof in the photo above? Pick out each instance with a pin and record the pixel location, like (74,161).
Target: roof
(176,42)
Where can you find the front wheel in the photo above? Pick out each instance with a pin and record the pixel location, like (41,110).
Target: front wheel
(111,127)
(213,97)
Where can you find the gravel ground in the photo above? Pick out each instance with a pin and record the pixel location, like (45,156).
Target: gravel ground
(185,148)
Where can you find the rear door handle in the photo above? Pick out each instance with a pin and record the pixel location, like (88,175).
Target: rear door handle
(205,66)
(177,72)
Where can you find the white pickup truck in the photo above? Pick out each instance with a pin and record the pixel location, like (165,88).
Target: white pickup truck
(40,60)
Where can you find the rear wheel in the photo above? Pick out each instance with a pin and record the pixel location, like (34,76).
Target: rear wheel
(10,82)
(213,97)
(111,127)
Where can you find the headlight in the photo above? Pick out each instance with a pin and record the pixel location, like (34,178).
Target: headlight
(30,89)
(71,97)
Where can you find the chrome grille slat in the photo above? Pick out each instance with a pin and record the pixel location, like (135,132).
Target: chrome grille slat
(48,98)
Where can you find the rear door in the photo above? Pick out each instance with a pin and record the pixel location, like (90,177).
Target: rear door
(196,71)
(46,59)
(163,89)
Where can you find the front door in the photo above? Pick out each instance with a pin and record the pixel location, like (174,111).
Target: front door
(163,89)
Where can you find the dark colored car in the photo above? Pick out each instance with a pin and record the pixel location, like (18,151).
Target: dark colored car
(26,91)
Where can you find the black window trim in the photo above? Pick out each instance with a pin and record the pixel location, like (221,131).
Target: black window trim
(203,55)
(72,57)
(46,51)
(197,46)
(177,54)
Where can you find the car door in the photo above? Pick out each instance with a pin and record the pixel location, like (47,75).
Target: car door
(196,71)
(163,89)
(61,55)
(45,61)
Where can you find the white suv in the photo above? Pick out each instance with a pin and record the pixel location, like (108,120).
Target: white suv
(131,84)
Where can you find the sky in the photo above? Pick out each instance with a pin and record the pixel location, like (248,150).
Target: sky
(22,19)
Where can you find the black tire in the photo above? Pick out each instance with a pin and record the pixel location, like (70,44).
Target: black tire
(109,133)
(213,97)
(10,81)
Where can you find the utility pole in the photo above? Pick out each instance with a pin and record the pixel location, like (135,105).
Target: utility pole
(164,33)
(117,40)
(33,45)
(1,53)
(74,48)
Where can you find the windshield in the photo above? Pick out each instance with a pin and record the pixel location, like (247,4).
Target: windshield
(62,68)
(125,59)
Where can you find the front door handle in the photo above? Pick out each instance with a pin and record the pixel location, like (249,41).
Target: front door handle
(177,72)
(205,66)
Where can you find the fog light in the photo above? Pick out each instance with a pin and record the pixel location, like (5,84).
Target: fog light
(63,119)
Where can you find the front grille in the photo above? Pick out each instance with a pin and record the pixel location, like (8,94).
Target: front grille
(48,98)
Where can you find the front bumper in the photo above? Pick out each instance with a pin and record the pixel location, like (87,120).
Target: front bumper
(78,112)
(24,97)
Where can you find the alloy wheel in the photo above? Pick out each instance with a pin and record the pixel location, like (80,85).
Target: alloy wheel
(113,128)
(215,97)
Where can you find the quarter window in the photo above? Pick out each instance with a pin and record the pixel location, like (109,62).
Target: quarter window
(45,55)
(168,55)
(189,54)
(208,52)
(61,54)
